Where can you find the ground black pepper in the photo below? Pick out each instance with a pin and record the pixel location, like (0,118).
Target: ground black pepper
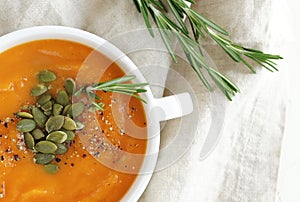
(57,160)
(16,157)
(8,151)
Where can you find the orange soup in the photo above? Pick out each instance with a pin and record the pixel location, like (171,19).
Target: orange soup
(103,160)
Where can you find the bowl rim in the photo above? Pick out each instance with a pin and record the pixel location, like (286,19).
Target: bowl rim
(124,62)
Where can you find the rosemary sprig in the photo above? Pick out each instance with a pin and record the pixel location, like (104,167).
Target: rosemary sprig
(201,28)
(118,85)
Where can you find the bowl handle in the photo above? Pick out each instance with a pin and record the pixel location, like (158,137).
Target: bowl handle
(173,106)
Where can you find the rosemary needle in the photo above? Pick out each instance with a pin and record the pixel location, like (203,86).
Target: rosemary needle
(118,85)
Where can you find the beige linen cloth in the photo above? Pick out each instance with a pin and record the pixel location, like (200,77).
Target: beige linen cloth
(244,164)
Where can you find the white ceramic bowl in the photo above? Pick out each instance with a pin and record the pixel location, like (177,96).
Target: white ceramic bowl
(156,109)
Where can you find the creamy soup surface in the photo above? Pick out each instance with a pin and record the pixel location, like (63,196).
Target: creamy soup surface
(121,128)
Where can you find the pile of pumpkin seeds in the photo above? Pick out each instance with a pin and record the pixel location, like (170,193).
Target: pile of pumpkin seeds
(50,124)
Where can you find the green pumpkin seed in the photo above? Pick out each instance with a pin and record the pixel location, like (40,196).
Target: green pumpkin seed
(48,113)
(70,86)
(79,125)
(47,106)
(57,109)
(55,123)
(38,134)
(44,99)
(29,141)
(47,76)
(76,109)
(43,159)
(38,90)
(25,115)
(61,149)
(66,109)
(39,117)
(26,125)
(69,124)
(70,134)
(57,137)
(62,98)
(51,168)
(46,147)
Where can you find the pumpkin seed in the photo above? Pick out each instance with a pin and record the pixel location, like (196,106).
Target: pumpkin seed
(54,123)
(51,168)
(46,147)
(79,125)
(38,90)
(48,113)
(25,115)
(66,109)
(57,137)
(26,125)
(76,109)
(47,106)
(57,109)
(44,99)
(62,98)
(70,134)
(29,141)
(39,117)
(70,86)
(47,76)
(61,149)
(38,134)
(43,159)
(69,124)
